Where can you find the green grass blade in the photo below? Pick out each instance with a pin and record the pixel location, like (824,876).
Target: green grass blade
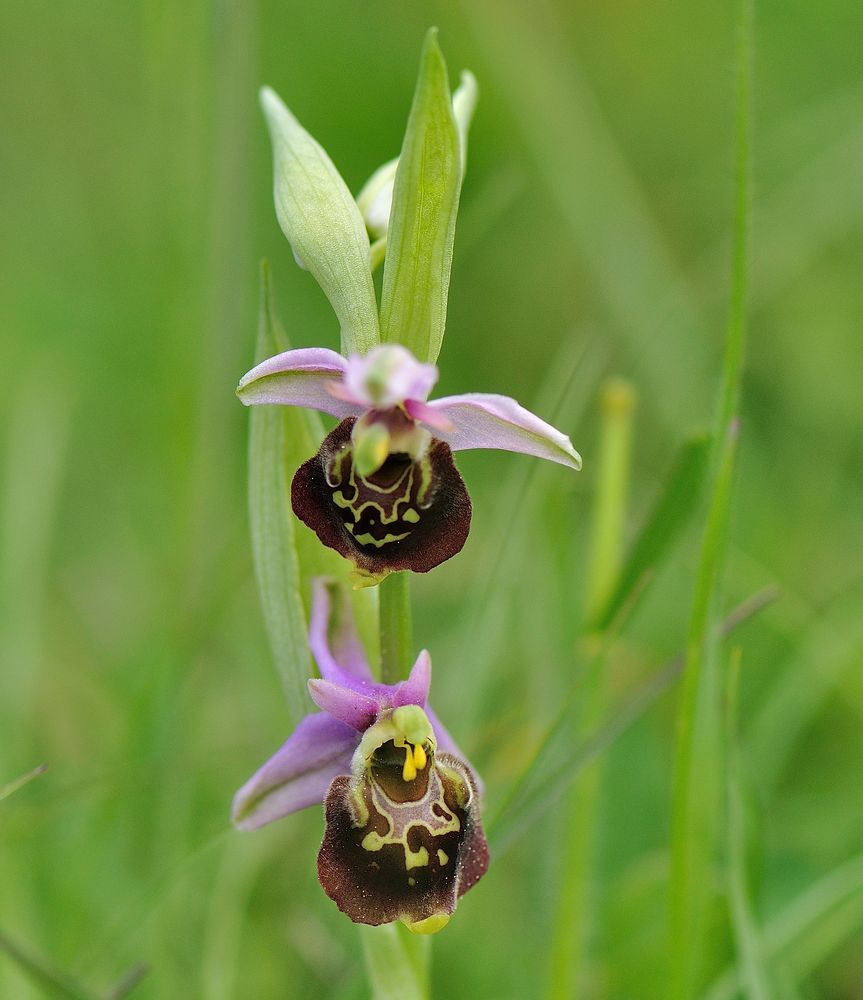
(422,221)
(555,764)
(663,527)
(755,972)
(277,567)
(53,982)
(569,949)
(694,808)
(11,787)
(397,962)
(787,935)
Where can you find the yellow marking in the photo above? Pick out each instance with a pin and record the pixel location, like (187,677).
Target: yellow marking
(412,881)
(411,516)
(442,856)
(372,841)
(409,771)
(431,925)
(368,539)
(416,859)
(419,757)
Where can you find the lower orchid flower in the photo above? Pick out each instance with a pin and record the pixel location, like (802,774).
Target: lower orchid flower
(383,489)
(403,836)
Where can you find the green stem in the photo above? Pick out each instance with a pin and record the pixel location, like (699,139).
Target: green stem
(395,626)
(570,939)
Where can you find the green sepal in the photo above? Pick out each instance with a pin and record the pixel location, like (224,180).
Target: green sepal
(321,220)
(422,222)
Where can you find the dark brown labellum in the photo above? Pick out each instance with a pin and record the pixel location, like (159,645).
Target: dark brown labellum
(405,856)
(409,515)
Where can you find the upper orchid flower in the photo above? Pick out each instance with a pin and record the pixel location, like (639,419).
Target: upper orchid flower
(404,839)
(383,489)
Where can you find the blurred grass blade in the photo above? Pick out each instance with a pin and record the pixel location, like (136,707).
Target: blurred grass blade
(793,935)
(53,982)
(11,787)
(422,223)
(277,567)
(555,764)
(695,791)
(570,940)
(755,972)
(397,962)
(321,220)
(669,516)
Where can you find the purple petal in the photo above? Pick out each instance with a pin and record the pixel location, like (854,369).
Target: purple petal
(333,638)
(298,774)
(484,420)
(415,690)
(387,376)
(428,415)
(299,378)
(353,708)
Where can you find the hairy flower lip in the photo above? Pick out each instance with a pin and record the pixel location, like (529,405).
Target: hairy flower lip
(414,523)
(404,838)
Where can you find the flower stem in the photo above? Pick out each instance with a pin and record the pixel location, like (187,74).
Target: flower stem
(395,626)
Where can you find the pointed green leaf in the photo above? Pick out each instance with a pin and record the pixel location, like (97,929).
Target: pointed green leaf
(277,568)
(422,223)
(321,220)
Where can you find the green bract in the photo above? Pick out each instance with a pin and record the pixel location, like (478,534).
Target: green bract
(422,223)
(409,205)
(321,220)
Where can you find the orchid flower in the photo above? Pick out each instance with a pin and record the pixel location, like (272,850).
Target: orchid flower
(403,836)
(383,489)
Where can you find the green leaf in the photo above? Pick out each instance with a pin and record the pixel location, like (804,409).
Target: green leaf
(422,223)
(321,220)
(666,521)
(397,962)
(277,568)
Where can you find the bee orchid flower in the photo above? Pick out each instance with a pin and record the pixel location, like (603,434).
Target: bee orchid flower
(403,836)
(383,489)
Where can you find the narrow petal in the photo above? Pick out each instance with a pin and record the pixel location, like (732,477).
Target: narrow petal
(298,378)
(298,774)
(427,414)
(351,707)
(333,638)
(485,420)
(415,690)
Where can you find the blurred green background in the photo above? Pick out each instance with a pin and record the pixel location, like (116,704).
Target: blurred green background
(593,237)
